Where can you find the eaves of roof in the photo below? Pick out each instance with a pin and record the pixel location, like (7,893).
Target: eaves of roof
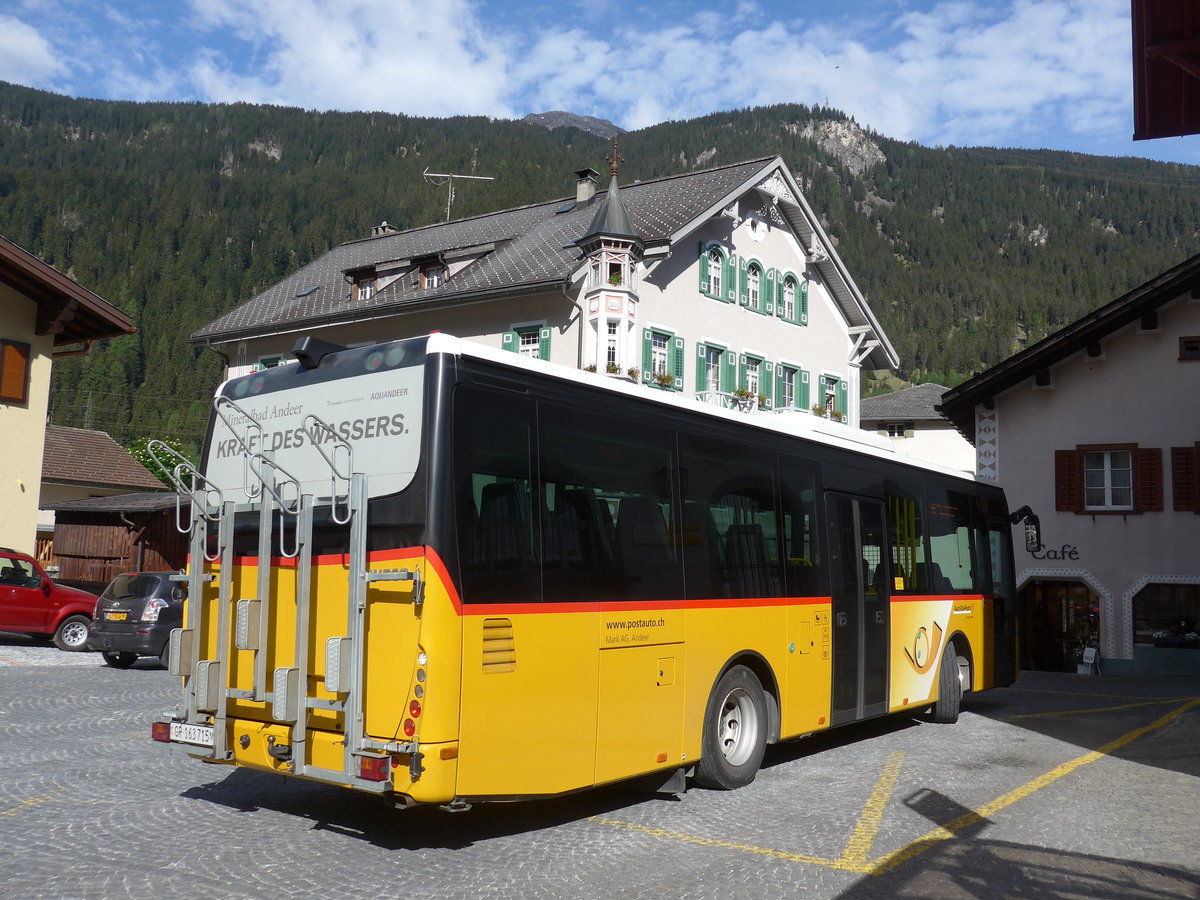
(958,403)
(916,403)
(66,310)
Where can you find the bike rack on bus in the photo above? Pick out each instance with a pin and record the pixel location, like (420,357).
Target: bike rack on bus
(244,442)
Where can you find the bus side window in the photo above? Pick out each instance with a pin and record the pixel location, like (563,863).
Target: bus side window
(906,532)
(803,572)
(953,543)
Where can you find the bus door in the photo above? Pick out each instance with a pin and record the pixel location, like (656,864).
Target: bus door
(860,587)
(1004,618)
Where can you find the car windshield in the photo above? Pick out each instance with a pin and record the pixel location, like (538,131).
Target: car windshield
(126,587)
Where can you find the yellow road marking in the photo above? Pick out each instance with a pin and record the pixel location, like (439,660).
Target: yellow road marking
(950,829)
(859,845)
(1096,709)
(27,804)
(1104,696)
(854,858)
(9,661)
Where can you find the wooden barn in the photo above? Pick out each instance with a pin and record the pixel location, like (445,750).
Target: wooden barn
(99,538)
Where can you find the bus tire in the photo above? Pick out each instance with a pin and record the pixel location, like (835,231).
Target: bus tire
(950,689)
(735,732)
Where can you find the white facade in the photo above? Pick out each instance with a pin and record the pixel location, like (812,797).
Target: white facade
(1097,445)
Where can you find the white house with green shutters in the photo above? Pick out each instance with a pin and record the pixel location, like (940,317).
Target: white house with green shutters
(720,284)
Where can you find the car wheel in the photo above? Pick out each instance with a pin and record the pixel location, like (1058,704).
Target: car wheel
(72,634)
(119,660)
(735,732)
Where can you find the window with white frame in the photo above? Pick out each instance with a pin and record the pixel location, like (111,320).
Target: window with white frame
(787,387)
(366,288)
(715,261)
(529,342)
(612,349)
(789,298)
(752,372)
(660,353)
(1107,479)
(753,284)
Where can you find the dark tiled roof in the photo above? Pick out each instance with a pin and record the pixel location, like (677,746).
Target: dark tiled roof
(92,457)
(918,402)
(155,501)
(612,219)
(529,248)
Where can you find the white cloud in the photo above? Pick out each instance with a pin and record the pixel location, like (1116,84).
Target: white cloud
(399,55)
(26,57)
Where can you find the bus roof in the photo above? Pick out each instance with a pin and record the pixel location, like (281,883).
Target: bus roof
(797,424)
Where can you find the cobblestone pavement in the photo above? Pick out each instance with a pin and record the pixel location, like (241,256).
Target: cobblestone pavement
(1060,787)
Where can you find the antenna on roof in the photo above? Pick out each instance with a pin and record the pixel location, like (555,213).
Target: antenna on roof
(432,177)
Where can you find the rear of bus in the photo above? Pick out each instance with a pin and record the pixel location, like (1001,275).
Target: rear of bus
(320,635)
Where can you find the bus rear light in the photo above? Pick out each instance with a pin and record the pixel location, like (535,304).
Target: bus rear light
(374,768)
(414,709)
(161,731)
(410,727)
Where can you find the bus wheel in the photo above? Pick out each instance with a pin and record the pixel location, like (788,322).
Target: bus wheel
(950,688)
(735,732)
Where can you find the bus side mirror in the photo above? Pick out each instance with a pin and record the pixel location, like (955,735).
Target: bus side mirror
(1033,528)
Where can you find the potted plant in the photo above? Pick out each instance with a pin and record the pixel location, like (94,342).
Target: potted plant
(633,372)
(590,367)
(819,410)
(836,415)
(762,401)
(614,278)
(612,369)
(664,379)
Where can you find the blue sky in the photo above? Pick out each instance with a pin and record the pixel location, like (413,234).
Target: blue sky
(1005,73)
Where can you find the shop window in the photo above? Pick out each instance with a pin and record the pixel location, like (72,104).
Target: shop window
(1167,615)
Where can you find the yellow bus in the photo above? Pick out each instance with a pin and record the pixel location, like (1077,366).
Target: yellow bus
(448,574)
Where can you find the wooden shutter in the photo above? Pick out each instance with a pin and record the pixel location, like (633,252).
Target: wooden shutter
(510,341)
(765,379)
(1185,467)
(1068,481)
(839,397)
(701,366)
(677,364)
(544,343)
(704,287)
(779,373)
(728,371)
(802,302)
(14,371)
(766,291)
(803,390)
(729,268)
(647,354)
(1147,479)
(780,282)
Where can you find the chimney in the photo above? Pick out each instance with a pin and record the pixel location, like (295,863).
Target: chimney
(383,228)
(585,187)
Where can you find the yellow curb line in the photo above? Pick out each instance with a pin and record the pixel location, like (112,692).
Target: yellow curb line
(1097,709)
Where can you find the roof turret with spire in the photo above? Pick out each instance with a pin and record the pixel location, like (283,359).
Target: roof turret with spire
(612,219)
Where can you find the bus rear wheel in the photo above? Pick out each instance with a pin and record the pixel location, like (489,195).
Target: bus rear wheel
(950,688)
(735,732)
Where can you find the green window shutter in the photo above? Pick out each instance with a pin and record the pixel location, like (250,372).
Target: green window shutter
(802,302)
(677,364)
(728,277)
(839,397)
(741,372)
(766,291)
(728,370)
(510,341)
(765,381)
(743,279)
(704,269)
(779,373)
(701,359)
(544,343)
(647,353)
(802,390)
(780,283)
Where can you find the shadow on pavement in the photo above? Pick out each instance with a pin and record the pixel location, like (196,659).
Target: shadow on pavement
(983,870)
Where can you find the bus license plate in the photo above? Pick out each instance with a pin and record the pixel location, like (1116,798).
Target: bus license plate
(183,733)
(116,616)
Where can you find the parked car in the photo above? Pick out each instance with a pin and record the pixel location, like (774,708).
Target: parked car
(134,617)
(30,603)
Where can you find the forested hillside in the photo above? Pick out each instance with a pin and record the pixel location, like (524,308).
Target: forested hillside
(177,212)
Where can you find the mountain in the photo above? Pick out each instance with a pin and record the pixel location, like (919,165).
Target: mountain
(556,118)
(176,212)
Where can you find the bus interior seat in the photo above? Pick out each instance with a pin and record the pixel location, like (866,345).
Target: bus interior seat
(503,532)
(641,534)
(930,575)
(748,566)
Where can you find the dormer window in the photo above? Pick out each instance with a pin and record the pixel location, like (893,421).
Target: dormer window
(432,276)
(364,288)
